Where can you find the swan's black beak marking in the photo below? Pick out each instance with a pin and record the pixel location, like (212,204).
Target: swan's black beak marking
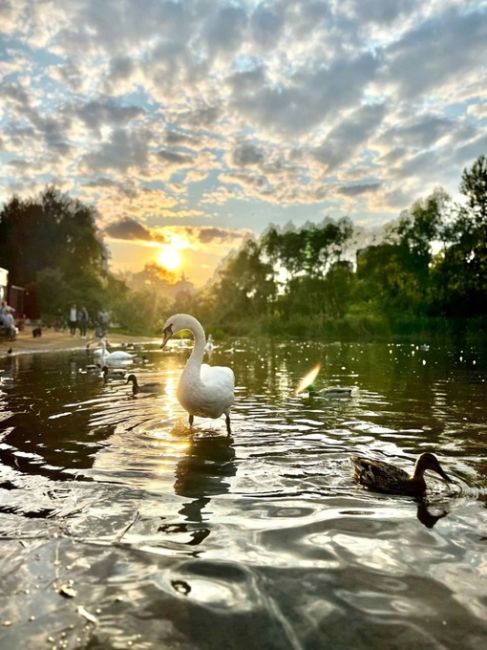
(167,331)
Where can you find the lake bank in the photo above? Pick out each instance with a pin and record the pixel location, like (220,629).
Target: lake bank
(58,341)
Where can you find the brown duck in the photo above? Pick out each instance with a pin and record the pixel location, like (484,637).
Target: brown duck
(384,477)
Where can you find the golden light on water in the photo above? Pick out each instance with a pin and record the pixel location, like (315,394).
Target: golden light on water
(308,379)
(169,258)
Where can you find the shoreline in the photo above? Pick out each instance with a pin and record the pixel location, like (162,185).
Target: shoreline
(62,341)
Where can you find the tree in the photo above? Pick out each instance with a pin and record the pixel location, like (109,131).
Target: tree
(474,187)
(53,238)
(460,272)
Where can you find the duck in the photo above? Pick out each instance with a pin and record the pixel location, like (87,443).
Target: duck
(336,391)
(203,390)
(380,476)
(112,373)
(90,368)
(307,382)
(153,387)
(108,358)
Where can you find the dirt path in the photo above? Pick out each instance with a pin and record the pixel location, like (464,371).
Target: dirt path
(52,341)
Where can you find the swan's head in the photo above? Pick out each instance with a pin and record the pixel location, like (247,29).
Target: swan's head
(176,323)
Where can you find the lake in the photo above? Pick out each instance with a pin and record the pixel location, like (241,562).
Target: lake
(119,528)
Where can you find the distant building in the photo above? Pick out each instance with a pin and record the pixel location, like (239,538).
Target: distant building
(22,301)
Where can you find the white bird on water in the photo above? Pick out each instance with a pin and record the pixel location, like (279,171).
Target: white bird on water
(210,346)
(203,390)
(112,358)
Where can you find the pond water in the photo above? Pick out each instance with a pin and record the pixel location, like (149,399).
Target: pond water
(166,538)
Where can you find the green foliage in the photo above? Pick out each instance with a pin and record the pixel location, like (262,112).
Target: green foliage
(296,283)
(460,272)
(140,311)
(291,282)
(51,245)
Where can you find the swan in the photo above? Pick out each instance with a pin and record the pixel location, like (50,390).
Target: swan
(153,387)
(203,390)
(210,346)
(108,358)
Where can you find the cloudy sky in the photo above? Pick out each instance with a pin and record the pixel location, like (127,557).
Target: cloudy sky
(191,123)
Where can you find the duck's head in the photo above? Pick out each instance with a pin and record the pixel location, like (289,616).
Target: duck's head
(429,461)
(133,379)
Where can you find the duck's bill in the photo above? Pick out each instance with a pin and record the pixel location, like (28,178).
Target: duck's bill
(443,475)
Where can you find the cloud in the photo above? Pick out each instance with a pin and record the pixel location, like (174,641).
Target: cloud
(359,188)
(132,230)
(437,51)
(208,234)
(123,150)
(420,132)
(95,113)
(246,153)
(308,97)
(220,110)
(371,11)
(353,132)
(266,25)
(129,229)
(174,157)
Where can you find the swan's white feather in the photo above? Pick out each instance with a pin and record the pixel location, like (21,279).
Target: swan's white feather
(203,390)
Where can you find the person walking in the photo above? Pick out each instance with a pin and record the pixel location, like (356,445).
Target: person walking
(103,319)
(73,319)
(83,321)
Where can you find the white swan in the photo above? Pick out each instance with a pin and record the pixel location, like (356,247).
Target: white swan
(112,358)
(203,390)
(210,346)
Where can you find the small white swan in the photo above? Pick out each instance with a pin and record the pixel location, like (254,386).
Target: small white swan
(210,346)
(203,390)
(112,358)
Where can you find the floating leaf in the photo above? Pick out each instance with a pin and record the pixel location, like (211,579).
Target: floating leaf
(89,617)
(67,591)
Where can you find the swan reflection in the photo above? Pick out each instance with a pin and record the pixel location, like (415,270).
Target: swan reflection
(204,472)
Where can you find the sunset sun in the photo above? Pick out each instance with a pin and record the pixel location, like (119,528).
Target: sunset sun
(169,258)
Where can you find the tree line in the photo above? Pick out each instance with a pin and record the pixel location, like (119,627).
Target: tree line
(428,272)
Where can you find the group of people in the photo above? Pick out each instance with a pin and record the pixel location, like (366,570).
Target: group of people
(78,318)
(7,320)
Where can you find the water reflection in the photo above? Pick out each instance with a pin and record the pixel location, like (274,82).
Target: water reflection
(278,498)
(427,517)
(204,472)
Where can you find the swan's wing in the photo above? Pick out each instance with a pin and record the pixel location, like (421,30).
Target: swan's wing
(220,376)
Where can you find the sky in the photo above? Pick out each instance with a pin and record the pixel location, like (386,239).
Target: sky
(193,124)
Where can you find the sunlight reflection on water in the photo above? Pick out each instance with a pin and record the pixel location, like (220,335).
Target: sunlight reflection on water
(207,540)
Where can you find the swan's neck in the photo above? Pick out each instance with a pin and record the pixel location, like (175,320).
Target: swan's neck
(193,364)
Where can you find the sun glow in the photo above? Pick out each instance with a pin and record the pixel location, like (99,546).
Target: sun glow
(169,258)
